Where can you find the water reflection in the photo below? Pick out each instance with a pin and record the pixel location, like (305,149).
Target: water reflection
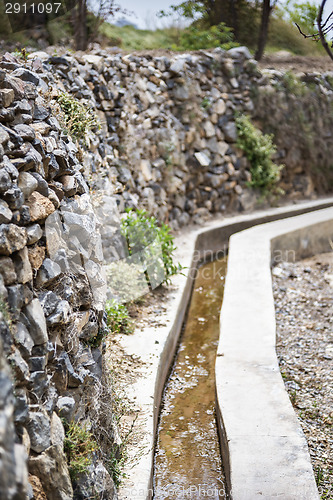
(187,459)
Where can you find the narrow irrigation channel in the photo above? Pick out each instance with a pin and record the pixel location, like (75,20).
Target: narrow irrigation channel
(187,456)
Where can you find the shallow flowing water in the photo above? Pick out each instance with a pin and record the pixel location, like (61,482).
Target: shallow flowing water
(187,458)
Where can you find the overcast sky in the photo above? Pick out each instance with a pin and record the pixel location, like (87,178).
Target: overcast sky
(145,11)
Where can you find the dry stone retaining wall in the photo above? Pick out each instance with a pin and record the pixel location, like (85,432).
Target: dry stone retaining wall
(166,143)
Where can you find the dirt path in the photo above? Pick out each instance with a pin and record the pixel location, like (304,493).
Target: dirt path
(305,64)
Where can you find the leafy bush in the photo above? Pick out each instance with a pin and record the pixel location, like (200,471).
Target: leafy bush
(195,38)
(156,244)
(118,318)
(259,149)
(79,445)
(78,118)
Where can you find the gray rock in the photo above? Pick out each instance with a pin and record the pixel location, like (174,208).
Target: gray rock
(6,97)
(36,318)
(14,197)
(48,271)
(18,297)
(181,93)
(39,384)
(12,238)
(7,269)
(31,77)
(65,407)
(239,53)
(39,429)
(5,213)
(4,136)
(27,133)
(230,131)
(52,470)
(5,181)
(37,363)
(96,483)
(23,266)
(19,366)
(178,65)
(21,471)
(69,184)
(27,183)
(202,159)
(23,339)
(42,187)
(10,168)
(49,302)
(34,234)
(3,289)
(40,113)
(21,406)
(57,431)
(61,314)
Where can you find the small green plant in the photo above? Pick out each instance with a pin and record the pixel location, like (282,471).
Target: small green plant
(114,466)
(4,311)
(118,318)
(206,103)
(294,85)
(78,118)
(259,149)
(21,54)
(79,445)
(96,340)
(169,148)
(143,234)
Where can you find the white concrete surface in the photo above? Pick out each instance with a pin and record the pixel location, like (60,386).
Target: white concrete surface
(193,245)
(268,454)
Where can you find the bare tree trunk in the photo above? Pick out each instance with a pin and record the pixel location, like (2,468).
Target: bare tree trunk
(80,25)
(234,16)
(265,14)
(323,26)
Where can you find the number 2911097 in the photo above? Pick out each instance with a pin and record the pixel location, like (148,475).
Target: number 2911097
(33,8)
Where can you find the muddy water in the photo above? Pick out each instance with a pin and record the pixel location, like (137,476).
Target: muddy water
(187,459)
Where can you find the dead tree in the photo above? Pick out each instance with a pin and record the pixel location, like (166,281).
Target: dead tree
(325,28)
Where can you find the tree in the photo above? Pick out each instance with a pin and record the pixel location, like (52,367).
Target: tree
(325,28)
(240,15)
(267,8)
(100,11)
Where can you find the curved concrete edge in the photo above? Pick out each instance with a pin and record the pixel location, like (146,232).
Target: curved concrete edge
(264,449)
(156,347)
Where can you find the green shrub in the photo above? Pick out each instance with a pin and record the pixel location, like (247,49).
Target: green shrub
(79,445)
(156,244)
(118,318)
(195,38)
(259,149)
(78,118)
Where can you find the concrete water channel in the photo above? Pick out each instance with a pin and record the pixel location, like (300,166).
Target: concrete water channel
(187,457)
(264,452)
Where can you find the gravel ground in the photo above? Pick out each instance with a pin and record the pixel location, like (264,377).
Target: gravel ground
(303,293)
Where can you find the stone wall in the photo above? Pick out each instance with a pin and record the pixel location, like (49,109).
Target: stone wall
(52,300)
(167,138)
(166,143)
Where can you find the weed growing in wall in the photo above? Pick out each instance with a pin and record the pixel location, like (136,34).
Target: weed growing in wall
(5,314)
(118,318)
(79,445)
(78,118)
(143,234)
(259,149)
